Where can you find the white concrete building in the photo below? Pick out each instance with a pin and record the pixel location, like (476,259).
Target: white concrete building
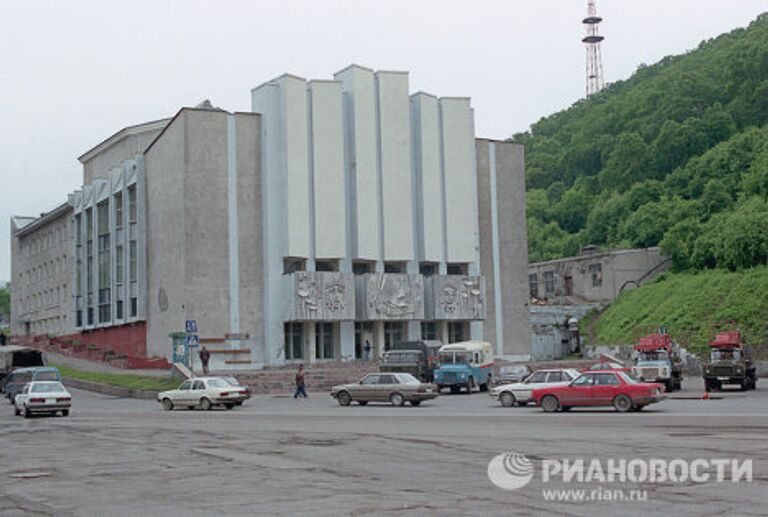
(337,212)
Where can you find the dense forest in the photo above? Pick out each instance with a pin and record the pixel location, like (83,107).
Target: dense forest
(675,156)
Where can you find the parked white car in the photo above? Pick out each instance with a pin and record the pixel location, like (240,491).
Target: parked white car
(203,392)
(43,397)
(520,393)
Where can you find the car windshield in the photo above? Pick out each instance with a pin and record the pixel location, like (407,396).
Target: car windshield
(454,357)
(654,355)
(725,354)
(46,376)
(218,383)
(517,369)
(407,378)
(231,380)
(47,387)
(627,378)
(402,357)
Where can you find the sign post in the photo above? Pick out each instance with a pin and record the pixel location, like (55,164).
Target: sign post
(192,342)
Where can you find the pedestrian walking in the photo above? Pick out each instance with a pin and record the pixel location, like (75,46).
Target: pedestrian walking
(300,389)
(367,350)
(205,356)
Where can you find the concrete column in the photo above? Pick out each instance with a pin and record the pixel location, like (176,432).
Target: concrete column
(347,335)
(311,338)
(378,339)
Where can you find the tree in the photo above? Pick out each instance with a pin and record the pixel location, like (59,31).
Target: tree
(5,302)
(572,210)
(678,243)
(627,162)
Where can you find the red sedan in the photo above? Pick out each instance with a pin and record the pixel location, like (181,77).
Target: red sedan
(600,388)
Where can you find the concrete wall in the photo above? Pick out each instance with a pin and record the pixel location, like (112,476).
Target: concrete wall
(204,240)
(504,245)
(622,268)
(41,273)
(112,156)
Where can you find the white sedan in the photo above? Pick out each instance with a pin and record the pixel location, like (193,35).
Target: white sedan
(203,392)
(520,393)
(43,397)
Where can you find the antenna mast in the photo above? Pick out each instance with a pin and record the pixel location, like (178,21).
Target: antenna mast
(591,41)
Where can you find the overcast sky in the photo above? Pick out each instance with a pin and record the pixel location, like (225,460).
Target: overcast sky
(74,72)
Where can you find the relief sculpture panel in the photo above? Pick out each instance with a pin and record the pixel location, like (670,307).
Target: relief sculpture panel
(392,296)
(458,297)
(322,296)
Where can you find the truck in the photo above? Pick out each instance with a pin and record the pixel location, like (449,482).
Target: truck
(657,360)
(419,358)
(465,365)
(728,363)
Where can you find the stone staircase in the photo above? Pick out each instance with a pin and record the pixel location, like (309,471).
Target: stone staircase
(319,378)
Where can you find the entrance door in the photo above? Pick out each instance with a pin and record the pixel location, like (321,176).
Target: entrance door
(569,286)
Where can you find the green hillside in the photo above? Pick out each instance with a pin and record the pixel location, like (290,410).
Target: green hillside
(687,303)
(677,155)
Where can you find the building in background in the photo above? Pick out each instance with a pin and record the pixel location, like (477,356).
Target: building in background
(337,213)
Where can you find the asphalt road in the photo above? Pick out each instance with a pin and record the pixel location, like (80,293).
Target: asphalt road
(276,455)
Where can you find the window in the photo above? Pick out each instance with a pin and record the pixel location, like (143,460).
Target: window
(427,268)
(132,204)
(533,283)
(387,378)
(119,265)
(324,340)
(133,264)
(549,282)
(458,269)
(326,265)
(291,265)
(584,380)
(370,379)
(363,332)
(596,270)
(393,333)
(536,378)
(361,268)
(606,379)
(118,211)
(198,385)
(394,267)
(292,341)
(456,332)
(555,377)
(428,330)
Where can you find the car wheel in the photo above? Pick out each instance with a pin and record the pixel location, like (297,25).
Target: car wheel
(167,404)
(344,398)
(550,404)
(229,406)
(397,399)
(415,402)
(362,402)
(507,399)
(65,412)
(205,404)
(622,403)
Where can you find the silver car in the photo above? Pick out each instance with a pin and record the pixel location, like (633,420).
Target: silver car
(48,397)
(395,388)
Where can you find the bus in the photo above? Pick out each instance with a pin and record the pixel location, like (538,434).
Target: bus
(465,365)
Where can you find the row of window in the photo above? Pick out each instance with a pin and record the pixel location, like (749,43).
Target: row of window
(43,271)
(595,271)
(43,241)
(54,325)
(44,299)
(361,267)
(326,337)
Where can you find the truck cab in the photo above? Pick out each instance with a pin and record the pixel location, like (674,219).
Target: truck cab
(728,363)
(464,366)
(656,360)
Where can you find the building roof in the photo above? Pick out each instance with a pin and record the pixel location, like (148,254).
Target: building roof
(592,256)
(122,134)
(25,225)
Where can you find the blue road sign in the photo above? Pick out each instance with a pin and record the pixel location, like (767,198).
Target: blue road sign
(191,326)
(193,341)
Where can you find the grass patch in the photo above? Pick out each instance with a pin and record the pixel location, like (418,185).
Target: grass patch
(687,303)
(124,380)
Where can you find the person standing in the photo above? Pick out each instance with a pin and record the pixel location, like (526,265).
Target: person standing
(300,389)
(205,356)
(367,350)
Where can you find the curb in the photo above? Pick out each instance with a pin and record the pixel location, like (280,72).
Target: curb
(108,389)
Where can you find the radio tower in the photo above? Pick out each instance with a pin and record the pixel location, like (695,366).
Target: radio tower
(592,41)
